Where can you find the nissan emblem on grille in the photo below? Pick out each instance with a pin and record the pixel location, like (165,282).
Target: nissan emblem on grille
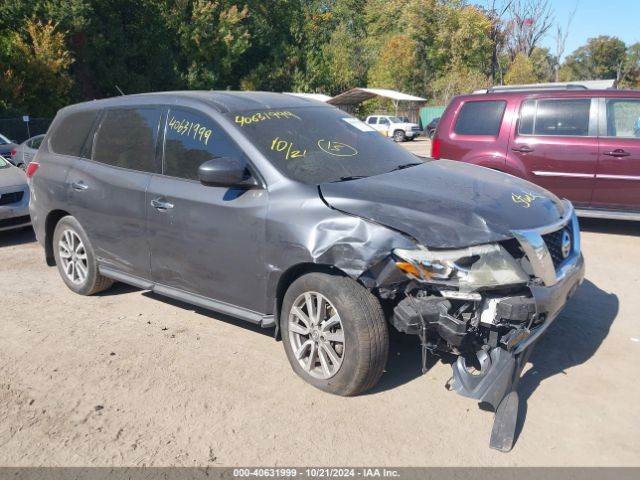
(566,244)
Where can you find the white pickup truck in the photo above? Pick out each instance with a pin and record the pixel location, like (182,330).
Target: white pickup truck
(394,127)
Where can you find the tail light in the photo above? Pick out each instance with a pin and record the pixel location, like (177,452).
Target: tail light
(32,168)
(435,148)
(13,152)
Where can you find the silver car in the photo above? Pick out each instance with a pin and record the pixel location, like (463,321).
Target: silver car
(14,197)
(24,153)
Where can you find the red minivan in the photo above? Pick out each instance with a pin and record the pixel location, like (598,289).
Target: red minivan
(580,144)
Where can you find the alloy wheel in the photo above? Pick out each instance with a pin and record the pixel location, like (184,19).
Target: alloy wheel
(316,335)
(73,257)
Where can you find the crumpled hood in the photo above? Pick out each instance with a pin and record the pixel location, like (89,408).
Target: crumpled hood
(12,177)
(446,204)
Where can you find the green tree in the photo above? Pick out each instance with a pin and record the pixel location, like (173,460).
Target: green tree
(457,81)
(601,58)
(543,65)
(521,71)
(35,65)
(395,66)
(630,75)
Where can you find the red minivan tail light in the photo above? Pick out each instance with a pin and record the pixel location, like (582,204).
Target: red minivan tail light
(435,148)
(31,169)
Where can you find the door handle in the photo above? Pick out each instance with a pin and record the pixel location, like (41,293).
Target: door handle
(161,204)
(79,186)
(617,153)
(523,149)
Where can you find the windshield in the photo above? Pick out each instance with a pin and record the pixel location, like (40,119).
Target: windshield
(321,144)
(4,140)
(3,162)
(396,119)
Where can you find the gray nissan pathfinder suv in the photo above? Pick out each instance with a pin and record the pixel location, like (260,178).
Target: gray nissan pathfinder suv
(292,214)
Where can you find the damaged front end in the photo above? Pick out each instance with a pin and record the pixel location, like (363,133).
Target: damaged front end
(488,304)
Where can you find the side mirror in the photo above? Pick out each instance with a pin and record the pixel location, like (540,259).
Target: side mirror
(224,172)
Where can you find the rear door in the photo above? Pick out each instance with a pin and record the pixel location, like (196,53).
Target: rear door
(556,144)
(108,192)
(383,126)
(205,240)
(617,183)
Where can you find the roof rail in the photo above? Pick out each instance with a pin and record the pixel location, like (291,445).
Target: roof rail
(524,88)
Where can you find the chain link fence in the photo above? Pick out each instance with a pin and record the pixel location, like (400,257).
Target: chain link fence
(18,130)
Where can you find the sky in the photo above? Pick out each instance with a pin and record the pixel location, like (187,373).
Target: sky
(593,18)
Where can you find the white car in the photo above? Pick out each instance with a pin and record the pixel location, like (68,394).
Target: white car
(394,127)
(24,153)
(14,197)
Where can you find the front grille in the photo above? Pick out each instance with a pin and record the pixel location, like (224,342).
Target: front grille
(9,198)
(554,245)
(415,129)
(13,222)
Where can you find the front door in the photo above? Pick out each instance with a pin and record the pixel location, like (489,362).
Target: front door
(556,143)
(618,176)
(207,241)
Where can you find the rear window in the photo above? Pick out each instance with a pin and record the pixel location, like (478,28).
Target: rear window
(70,133)
(127,139)
(480,118)
(561,117)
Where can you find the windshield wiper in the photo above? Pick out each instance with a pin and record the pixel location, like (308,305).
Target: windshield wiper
(406,165)
(350,177)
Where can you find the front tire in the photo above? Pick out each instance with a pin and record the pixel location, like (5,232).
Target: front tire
(76,259)
(334,333)
(398,136)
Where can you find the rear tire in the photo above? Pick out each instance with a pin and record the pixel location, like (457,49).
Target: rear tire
(76,260)
(346,358)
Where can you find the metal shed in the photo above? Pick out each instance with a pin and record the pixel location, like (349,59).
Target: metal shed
(347,100)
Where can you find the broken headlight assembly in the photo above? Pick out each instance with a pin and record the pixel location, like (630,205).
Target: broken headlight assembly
(467,269)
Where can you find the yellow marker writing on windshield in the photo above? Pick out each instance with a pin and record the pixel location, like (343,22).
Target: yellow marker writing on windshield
(336,149)
(279,145)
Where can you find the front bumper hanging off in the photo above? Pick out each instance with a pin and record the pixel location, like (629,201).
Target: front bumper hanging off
(496,382)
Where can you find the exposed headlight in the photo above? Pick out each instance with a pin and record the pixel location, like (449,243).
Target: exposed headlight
(468,268)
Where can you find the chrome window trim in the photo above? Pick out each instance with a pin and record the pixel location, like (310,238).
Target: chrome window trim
(538,254)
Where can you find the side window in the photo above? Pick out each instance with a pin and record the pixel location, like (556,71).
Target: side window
(383,121)
(562,117)
(623,118)
(480,118)
(192,139)
(127,138)
(68,136)
(36,142)
(372,120)
(527,117)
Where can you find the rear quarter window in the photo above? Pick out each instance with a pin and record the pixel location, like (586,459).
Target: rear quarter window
(480,118)
(70,134)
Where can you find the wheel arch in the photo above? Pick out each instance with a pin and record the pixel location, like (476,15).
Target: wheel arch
(49,226)
(291,275)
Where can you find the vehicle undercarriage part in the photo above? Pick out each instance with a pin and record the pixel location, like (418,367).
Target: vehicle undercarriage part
(485,334)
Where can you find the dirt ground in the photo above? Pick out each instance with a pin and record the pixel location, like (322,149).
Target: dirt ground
(129,378)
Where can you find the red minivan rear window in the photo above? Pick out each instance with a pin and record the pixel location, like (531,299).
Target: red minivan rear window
(480,118)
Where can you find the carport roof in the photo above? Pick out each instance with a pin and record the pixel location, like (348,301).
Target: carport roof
(358,95)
